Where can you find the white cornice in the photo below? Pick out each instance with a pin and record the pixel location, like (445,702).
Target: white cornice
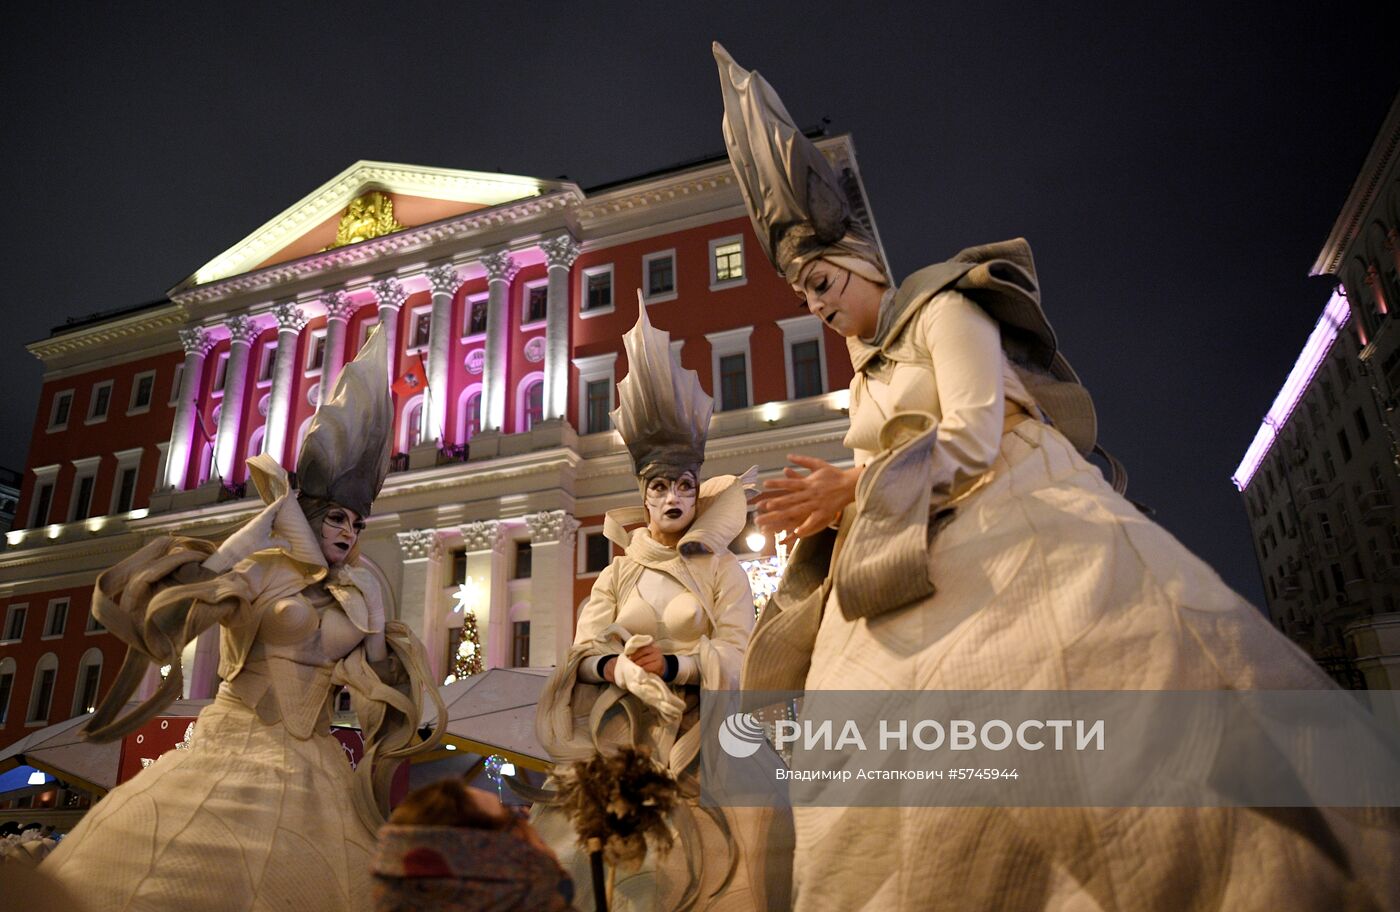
(334,195)
(137,326)
(1379,162)
(408,241)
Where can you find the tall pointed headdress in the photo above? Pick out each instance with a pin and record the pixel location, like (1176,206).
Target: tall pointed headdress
(663,415)
(346,452)
(800,209)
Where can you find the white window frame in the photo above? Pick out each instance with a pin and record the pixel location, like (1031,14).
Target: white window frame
(266,352)
(597,367)
(730,342)
(467,304)
(413,316)
(53,411)
(67,604)
(43,475)
(311,338)
(581,555)
(366,327)
(126,459)
(664,296)
(715,243)
(83,468)
(92,626)
(9,617)
(525,322)
(92,417)
(163,457)
(90,658)
(402,439)
(132,408)
(803,328)
(522,392)
(175,385)
(220,378)
(8,666)
(584,275)
(32,718)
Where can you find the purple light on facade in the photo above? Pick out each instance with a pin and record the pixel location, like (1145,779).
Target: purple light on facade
(1334,317)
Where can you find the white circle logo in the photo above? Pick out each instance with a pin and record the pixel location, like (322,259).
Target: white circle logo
(741,735)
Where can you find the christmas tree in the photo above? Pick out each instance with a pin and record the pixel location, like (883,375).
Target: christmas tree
(467,660)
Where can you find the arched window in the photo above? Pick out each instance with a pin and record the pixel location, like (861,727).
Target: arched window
(255,442)
(471,416)
(411,430)
(9,670)
(41,694)
(529,402)
(86,684)
(301,438)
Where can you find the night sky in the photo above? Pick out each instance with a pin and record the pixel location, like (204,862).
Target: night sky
(1176,171)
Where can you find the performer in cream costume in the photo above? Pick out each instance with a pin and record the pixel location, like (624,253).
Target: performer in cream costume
(665,622)
(979,550)
(262,811)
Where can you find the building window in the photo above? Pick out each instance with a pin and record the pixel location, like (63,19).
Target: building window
(536,303)
(126,489)
(58,412)
(420,328)
(14,622)
(659,276)
(597,290)
(7,687)
(471,418)
(1345,444)
(142,391)
(534,405)
(221,372)
(413,429)
(41,698)
(726,262)
(804,356)
(476,317)
(729,364)
(316,351)
(82,497)
(267,362)
(89,676)
(523,555)
(101,402)
(175,384)
(57,621)
(733,382)
(597,552)
(598,396)
(93,624)
(43,500)
(1362,428)
(520,644)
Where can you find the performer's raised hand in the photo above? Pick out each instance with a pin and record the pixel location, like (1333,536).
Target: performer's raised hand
(803,504)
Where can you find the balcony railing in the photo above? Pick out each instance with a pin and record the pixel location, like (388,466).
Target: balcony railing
(1377,507)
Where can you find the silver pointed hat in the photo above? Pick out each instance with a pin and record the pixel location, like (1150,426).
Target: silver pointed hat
(346,452)
(663,415)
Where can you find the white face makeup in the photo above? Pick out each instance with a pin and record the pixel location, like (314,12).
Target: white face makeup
(340,529)
(847,303)
(671,504)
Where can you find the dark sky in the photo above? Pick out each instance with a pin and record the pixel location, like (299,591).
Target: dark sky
(1177,170)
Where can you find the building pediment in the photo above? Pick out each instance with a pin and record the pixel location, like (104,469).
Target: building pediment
(366,201)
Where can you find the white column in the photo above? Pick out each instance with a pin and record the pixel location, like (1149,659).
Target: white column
(560,253)
(290,322)
(391,296)
(420,601)
(485,544)
(197,344)
(338,311)
(242,331)
(444,282)
(551,586)
(500,270)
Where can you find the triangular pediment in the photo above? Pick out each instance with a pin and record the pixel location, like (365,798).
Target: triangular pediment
(392,197)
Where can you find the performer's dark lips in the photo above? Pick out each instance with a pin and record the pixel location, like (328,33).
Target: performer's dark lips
(829,317)
(673,513)
(342,546)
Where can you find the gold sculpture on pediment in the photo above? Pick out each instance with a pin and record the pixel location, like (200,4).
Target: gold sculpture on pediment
(369,215)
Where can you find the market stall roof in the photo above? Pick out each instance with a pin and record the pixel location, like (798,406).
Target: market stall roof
(493,712)
(61,751)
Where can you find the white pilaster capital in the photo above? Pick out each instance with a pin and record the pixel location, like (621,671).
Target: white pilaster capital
(338,306)
(290,317)
(486,535)
(242,330)
(500,266)
(560,251)
(196,341)
(389,293)
(551,526)
(443,279)
(419,544)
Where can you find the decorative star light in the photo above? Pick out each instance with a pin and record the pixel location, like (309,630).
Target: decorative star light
(467,595)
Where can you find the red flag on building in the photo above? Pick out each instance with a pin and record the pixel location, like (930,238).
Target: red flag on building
(414,380)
